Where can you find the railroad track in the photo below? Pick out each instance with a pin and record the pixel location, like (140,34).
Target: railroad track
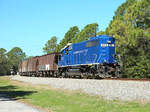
(126,79)
(122,79)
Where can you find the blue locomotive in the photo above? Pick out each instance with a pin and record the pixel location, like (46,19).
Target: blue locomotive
(91,58)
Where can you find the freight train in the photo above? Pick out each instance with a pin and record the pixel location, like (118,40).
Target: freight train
(93,58)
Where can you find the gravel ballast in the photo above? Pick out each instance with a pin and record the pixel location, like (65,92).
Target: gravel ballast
(109,89)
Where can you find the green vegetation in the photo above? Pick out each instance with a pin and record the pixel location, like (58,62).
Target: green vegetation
(88,31)
(3,62)
(10,60)
(50,46)
(73,35)
(65,101)
(68,38)
(131,27)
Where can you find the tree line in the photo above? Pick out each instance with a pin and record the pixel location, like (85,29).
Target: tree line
(131,29)
(73,35)
(10,60)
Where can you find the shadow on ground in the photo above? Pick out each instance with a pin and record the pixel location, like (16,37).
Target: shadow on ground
(10,93)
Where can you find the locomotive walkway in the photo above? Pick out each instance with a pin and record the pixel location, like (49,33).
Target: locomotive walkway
(8,105)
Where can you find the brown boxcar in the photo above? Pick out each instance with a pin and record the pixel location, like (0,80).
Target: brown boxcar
(33,64)
(48,64)
(28,66)
(45,65)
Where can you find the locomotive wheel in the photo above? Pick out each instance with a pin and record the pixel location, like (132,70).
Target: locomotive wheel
(117,73)
(80,77)
(93,76)
(64,75)
(85,77)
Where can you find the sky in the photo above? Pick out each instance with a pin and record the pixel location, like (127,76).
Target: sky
(29,24)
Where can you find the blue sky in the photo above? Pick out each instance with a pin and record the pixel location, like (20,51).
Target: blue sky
(28,24)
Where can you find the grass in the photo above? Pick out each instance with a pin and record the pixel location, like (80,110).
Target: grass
(65,101)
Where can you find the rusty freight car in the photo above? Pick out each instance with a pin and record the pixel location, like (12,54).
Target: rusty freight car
(33,68)
(45,65)
(48,64)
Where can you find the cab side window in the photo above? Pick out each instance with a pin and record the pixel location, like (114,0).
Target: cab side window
(66,51)
(92,43)
(70,48)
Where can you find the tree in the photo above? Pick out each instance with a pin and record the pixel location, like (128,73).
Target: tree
(101,33)
(138,14)
(89,30)
(69,36)
(130,27)
(4,66)
(2,54)
(15,55)
(73,35)
(50,46)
